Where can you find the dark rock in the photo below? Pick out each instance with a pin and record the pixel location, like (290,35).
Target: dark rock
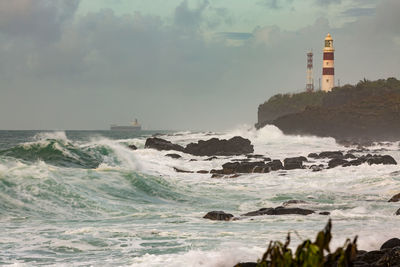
(246,264)
(279,211)
(285,211)
(255,156)
(395,198)
(217,175)
(182,171)
(235,146)
(211,158)
(218,216)
(203,171)
(376,159)
(293,201)
(349,156)
(294,163)
(391,243)
(217,171)
(336,162)
(355,162)
(133,147)
(245,167)
(174,156)
(275,165)
(313,155)
(161,144)
(193,160)
(397,212)
(324,213)
(316,168)
(331,154)
(391,258)
(371,256)
(263,211)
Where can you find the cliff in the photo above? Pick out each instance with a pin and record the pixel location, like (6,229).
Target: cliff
(368,111)
(283,104)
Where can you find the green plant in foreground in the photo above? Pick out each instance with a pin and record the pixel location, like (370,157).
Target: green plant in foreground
(310,254)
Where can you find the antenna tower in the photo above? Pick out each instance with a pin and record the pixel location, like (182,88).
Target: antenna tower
(310,80)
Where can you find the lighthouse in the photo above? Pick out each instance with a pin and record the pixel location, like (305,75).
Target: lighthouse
(328,67)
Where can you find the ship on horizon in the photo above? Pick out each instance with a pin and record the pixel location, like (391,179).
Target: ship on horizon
(135,126)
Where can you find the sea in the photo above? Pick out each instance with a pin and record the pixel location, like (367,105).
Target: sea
(84,198)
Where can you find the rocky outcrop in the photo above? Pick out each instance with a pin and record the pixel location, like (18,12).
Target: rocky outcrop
(218,216)
(213,147)
(133,147)
(174,156)
(395,198)
(294,163)
(161,144)
(279,211)
(391,243)
(369,111)
(235,146)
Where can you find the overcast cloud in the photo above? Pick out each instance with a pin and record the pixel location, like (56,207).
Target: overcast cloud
(63,70)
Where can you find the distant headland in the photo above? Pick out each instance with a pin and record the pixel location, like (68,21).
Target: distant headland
(367,111)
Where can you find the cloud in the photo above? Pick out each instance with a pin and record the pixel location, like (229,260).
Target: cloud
(189,18)
(275,4)
(102,68)
(328,2)
(235,35)
(358,12)
(39,19)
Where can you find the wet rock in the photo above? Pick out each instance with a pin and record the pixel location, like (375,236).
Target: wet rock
(245,167)
(246,264)
(395,198)
(349,156)
(235,146)
(174,156)
(397,212)
(275,165)
(390,258)
(313,155)
(293,202)
(279,211)
(324,213)
(336,162)
(182,171)
(317,168)
(391,243)
(217,175)
(255,156)
(203,171)
(133,147)
(331,154)
(161,144)
(286,211)
(294,163)
(211,158)
(263,211)
(376,159)
(218,216)
(355,162)
(371,256)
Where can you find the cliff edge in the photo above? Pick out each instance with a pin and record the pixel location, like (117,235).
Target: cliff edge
(369,110)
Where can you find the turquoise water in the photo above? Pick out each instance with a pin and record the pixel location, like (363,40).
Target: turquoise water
(84,198)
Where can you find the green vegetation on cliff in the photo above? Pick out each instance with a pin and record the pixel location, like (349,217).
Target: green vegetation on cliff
(282,104)
(368,110)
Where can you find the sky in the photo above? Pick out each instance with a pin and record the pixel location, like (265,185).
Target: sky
(178,64)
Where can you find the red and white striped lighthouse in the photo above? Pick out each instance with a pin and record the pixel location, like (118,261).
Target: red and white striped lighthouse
(328,67)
